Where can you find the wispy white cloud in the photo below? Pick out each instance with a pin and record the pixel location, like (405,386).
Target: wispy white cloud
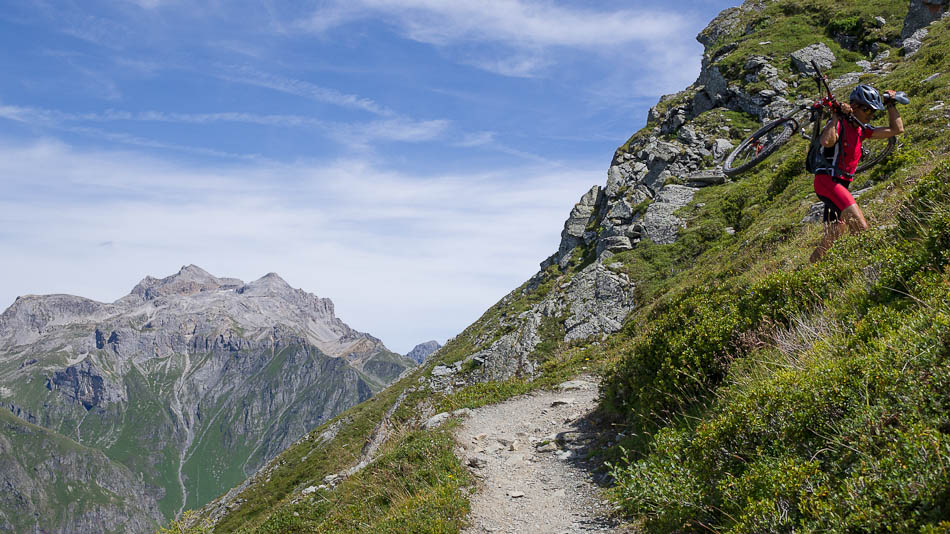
(515,38)
(250,76)
(84,25)
(149,4)
(385,245)
(540,23)
(139,66)
(243,48)
(99,84)
(353,135)
(516,66)
(477,139)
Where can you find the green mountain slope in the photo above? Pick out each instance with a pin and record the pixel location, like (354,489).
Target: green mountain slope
(750,391)
(79,488)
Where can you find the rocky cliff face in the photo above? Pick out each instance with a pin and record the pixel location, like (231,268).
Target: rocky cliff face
(190,382)
(71,489)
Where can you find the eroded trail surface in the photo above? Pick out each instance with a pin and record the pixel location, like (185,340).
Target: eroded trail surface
(529,455)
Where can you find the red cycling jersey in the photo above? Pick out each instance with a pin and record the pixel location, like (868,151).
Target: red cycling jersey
(846,153)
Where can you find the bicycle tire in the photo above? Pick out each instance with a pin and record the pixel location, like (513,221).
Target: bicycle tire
(871,155)
(759,146)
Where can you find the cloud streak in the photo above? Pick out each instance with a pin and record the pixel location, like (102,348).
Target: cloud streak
(250,76)
(353,135)
(521,38)
(508,21)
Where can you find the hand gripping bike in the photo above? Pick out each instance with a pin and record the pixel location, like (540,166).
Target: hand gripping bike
(770,137)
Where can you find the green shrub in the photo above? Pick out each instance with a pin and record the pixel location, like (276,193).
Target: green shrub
(850,433)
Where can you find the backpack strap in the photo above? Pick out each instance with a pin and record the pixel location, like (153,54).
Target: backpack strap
(832,165)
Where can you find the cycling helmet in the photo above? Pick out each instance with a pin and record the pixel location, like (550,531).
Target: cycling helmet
(868,96)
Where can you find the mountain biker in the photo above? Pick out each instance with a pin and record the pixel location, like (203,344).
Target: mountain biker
(841,211)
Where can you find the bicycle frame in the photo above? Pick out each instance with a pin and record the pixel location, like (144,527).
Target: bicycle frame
(767,139)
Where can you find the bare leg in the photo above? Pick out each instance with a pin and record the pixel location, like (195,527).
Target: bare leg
(833,231)
(852,218)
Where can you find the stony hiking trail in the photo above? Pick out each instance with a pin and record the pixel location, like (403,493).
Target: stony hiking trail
(529,457)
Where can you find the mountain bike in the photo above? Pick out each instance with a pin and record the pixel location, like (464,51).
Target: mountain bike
(766,140)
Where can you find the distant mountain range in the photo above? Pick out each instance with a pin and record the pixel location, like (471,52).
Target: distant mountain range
(119,415)
(423,351)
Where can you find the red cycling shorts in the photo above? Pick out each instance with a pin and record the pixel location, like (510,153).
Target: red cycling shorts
(834,193)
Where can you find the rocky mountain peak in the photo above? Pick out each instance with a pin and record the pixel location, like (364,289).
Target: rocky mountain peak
(189,280)
(30,315)
(269,284)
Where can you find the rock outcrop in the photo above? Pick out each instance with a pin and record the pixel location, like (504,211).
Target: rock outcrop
(921,14)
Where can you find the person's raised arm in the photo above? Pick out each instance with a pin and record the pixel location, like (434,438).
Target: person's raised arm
(895,125)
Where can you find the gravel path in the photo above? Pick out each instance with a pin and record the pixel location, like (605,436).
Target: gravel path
(529,455)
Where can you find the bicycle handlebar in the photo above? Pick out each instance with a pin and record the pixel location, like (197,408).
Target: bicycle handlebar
(821,79)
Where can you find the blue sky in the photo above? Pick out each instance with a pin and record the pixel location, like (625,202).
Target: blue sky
(412,160)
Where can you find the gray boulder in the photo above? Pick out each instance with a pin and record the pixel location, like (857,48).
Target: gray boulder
(689,136)
(848,79)
(913,43)
(759,68)
(660,224)
(617,243)
(599,300)
(624,174)
(777,84)
(819,52)
(620,210)
(721,148)
(706,177)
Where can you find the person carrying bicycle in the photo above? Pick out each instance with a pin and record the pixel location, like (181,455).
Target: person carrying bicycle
(841,139)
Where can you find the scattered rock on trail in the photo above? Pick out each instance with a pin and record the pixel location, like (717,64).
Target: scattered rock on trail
(544,489)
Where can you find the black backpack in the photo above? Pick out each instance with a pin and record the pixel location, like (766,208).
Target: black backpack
(818,160)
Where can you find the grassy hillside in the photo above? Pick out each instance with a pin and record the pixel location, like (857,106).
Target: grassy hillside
(764,394)
(751,391)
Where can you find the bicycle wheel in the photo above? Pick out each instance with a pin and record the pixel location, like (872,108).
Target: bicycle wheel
(874,151)
(759,145)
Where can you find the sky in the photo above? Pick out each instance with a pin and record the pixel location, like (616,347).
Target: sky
(412,160)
